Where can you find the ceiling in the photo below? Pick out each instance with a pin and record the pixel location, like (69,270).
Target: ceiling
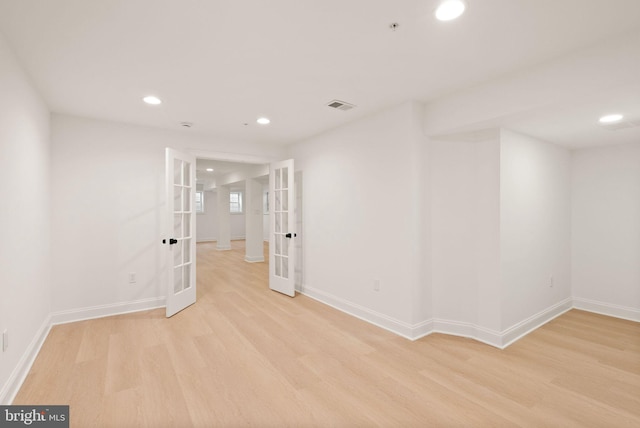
(222,64)
(220,170)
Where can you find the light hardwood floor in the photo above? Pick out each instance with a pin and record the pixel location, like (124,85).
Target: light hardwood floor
(246,356)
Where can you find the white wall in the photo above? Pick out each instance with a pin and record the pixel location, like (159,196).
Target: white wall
(500,228)
(465,185)
(207,223)
(25,287)
(361,208)
(108,207)
(535,226)
(606,229)
(265,215)
(237,226)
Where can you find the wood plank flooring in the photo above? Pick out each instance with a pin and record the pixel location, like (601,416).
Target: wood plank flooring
(246,356)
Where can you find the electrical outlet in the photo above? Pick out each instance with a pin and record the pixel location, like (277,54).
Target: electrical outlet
(5,340)
(551,281)
(376,285)
(132,277)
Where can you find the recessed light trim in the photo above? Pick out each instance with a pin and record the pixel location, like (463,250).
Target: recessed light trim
(263,120)
(209,169)
(611,118)
(450,9)
(152,100)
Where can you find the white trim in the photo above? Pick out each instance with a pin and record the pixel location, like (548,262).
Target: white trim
(409,331)
(20,372)
(498,339)
(231,157)
(228,247)
(526,326)
(609,309)
(401,328)
(256,259)
(469,330)
(214,239)
(422,329)
(501,339)
(100,311)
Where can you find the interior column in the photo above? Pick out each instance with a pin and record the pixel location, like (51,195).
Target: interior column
(224,219)
(253,221)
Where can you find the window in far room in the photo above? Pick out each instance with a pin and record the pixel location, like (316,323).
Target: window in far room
(265,209)
(199,202)
(235,202)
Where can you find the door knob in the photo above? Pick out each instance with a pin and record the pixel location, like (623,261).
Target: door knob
(288,235)
(173,241)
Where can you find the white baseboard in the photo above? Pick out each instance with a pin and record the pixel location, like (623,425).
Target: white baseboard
(20,372)
(100,311)
(223,247)
(499,339)
(206,240)
(526,326)
(401,328)
(422,329)
(234,238)
(410,331)
(469,330)
(617,311)
(254,259)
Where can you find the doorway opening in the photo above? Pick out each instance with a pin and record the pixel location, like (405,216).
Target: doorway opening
(232,214)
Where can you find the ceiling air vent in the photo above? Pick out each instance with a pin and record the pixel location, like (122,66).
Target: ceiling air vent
(340,105)
(621,125)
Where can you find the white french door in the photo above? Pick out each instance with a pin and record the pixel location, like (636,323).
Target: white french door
(180,235)
(282,231)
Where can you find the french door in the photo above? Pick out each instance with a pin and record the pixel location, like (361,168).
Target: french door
(180,234)
(283,227)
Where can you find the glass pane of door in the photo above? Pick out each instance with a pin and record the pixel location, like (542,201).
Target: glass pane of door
(281,222)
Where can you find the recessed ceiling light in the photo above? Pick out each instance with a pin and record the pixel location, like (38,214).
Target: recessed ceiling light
(610,118)
(150,99)
(263,121)
(450,9)
(210,169)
